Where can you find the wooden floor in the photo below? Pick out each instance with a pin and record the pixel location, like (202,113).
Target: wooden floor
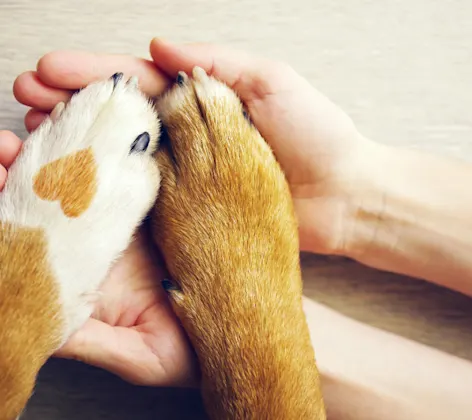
(401,69)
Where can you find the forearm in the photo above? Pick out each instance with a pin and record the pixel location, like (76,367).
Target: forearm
(412,214)
(370,374)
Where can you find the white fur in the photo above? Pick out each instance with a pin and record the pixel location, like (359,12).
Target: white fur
(81,250)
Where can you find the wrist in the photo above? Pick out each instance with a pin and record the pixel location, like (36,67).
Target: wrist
(342,212)
(408,213)
(367,196)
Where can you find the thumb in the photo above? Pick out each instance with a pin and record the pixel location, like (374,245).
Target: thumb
(251,77)
(123,352)
(93,344)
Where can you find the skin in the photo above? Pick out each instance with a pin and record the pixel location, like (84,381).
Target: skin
(10,146)
(133,332)
(329,168)
(111,338)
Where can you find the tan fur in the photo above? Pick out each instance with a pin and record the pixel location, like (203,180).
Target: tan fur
(70,180)
(225,223)
(31,320)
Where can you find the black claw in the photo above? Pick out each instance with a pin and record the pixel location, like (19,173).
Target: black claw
(116,78)
(181,78)
(141,143)
(168,285)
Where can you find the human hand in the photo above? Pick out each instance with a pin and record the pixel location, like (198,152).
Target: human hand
(323,156)
(133,332)
(315,142)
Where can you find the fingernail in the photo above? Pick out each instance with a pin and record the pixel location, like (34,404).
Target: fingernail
(160,40)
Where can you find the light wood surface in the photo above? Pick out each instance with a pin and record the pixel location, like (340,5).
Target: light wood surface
(401,69)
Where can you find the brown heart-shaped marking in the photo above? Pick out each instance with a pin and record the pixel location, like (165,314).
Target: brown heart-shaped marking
(71,180)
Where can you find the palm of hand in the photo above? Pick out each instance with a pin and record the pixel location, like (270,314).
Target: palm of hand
(133,332)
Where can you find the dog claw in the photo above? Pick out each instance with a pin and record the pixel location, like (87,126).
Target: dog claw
(169,285)
(141,143)
(116,78)
(181,78)
(199,74)
(133,82)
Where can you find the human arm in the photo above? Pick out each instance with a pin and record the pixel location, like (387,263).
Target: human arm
(394,209)
(353,197)
(370,374)
(411,213)
(328,162)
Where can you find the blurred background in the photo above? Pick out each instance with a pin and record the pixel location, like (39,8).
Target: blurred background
(400,68)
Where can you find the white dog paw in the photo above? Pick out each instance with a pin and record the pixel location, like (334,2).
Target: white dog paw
(84,181)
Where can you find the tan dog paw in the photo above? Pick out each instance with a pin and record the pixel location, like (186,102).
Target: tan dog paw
(225,223)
